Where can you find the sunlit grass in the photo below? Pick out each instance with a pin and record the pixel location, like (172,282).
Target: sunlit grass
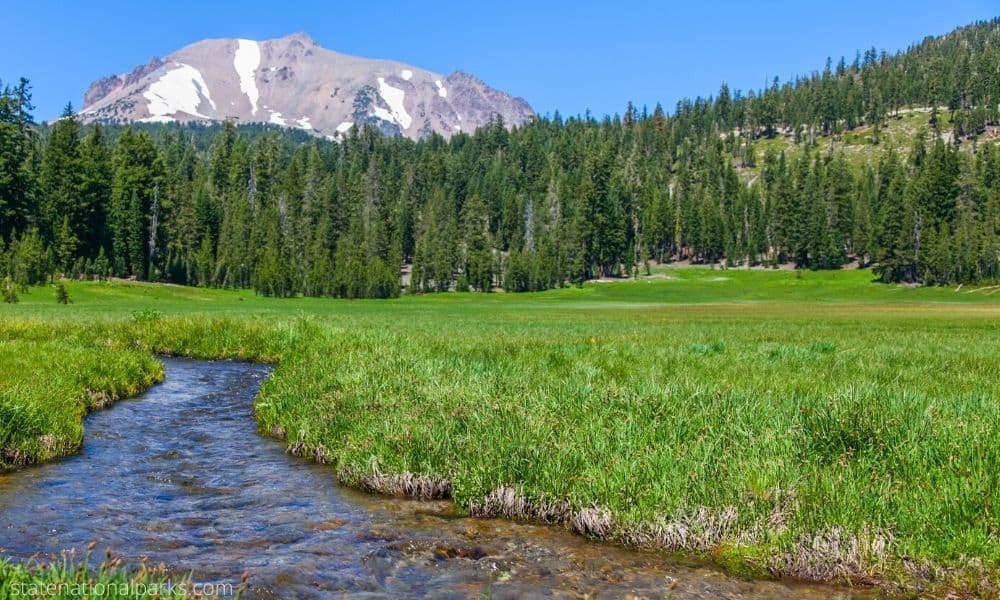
(792,406)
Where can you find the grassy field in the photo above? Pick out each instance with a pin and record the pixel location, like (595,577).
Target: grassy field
(818,426)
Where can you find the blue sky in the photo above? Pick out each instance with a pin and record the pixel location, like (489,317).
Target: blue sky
(559,56)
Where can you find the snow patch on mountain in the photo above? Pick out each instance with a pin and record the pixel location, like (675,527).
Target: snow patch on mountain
(345,126)
(245,61)
(304,123)
(393,96)
(277,119)
(380,113)
(406,74)
(441,91)
(181,89)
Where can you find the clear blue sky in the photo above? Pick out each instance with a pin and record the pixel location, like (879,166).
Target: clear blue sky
(559,56)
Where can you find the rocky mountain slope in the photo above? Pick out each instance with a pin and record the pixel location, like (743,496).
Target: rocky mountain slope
(294,82)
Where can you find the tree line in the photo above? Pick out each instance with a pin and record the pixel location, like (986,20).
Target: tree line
(554,202)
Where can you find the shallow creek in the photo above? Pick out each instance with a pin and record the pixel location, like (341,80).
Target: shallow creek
(180,475)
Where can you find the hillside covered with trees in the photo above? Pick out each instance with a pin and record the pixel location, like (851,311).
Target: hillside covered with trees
(555,202)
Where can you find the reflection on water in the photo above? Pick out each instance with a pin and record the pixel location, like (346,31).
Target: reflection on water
(181,476)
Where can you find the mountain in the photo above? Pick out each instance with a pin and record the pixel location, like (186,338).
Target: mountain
(294,82)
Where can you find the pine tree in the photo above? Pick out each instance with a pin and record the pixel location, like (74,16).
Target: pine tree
(60,180)
(62,295)
(137,173)
(94,192)
(205,263)
(17,155)
(102,265)
(30,262)
(66,244)
(10,292)
(478,259)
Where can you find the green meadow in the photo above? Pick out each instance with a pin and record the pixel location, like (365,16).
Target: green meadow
(814,424)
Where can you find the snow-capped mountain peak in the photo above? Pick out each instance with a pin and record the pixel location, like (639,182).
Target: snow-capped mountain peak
(294,82)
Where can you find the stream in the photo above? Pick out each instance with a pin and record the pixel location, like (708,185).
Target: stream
(181,475)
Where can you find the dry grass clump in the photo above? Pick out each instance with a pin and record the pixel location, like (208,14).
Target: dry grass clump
(836,555)
(406,485)
(508,503)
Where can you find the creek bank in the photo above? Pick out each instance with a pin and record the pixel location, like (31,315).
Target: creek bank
(863,563)
(181,476)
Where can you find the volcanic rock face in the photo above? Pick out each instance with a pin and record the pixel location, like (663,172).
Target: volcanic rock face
(292,81)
